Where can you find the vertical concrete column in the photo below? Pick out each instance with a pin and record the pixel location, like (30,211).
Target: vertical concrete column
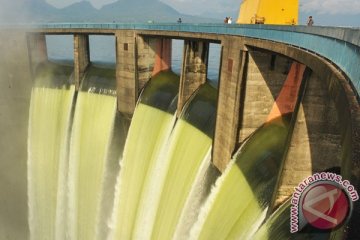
(153,56)
(81,57)
(145,59)
(316,141)
(265,77)
(37,49)
(126,74)
(162,55)
(234,59)
(194,69)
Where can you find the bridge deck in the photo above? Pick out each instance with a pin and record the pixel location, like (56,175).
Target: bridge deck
(339,45)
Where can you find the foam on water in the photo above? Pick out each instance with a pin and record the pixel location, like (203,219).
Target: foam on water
(90,139)
(278,227)
(91,136)
(238,203)
(185,164)
(149,131)
(165,169)
(48,134)
(188,149)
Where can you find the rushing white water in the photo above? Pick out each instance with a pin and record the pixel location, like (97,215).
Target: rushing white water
(112,169)
(239,201)
(48,135)
(149,131)
(90,139)
(67,157)
(155,189)
(49,122)
(161,165)
(247,209)
(163,176)
(184,161)
(200,190)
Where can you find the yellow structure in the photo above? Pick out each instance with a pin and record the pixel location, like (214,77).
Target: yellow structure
(283,12)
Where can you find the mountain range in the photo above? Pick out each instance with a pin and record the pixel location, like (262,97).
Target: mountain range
(21,11)
(30,11)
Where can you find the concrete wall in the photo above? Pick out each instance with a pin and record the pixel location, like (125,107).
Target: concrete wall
(194,69)
(234,63)
(81,57)
(248,88)
(153,56)
(146,54)
(126,76)
(328,125)
(316,140)
(138,58)
(266,74)
(162,50)
(326,131)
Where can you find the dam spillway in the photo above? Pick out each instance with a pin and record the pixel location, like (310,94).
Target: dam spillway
(252,74)
(49,121)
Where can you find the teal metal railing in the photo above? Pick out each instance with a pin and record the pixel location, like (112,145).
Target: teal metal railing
(339,45)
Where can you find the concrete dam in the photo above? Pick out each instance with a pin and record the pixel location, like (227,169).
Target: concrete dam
(139,152)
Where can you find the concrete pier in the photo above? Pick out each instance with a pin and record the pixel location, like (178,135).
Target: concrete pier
(81,57)
(145,59)
(194,69)
(153,56)
(316,135)
(162,55)
(126,74)
(138,58)
(234,59)
(265,77)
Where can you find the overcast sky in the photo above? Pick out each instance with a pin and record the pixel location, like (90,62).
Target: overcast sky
(201,6)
